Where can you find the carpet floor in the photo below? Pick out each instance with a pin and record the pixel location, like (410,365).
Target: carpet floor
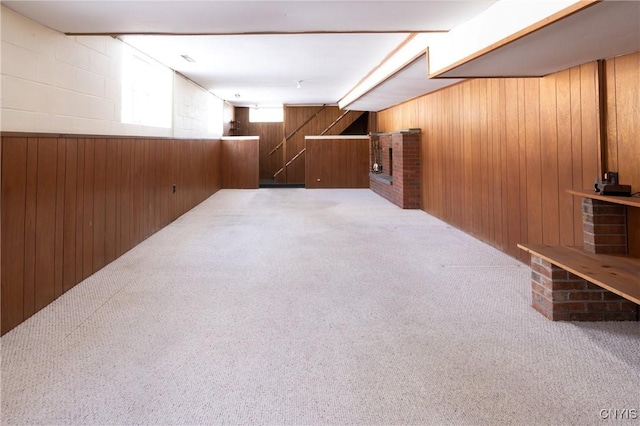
(294,306)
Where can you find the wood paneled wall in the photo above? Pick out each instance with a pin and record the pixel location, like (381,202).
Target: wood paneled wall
(239,161)
(71,205)
(270,135)
(295,116)
(499,154)
(623,131)
(337,163)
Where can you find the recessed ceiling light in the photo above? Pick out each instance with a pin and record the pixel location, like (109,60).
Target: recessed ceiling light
(237,95)
(187,58)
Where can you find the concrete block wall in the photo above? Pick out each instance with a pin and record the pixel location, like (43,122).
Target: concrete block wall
(53,83)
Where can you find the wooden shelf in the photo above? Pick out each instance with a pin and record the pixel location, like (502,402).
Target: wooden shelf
(627,201)
(618,274)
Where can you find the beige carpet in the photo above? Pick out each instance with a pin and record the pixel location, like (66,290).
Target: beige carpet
(294,306)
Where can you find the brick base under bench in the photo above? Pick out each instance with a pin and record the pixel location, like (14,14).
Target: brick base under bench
(561,295)
(596,282)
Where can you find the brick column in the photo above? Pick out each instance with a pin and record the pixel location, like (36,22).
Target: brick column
(562,296)
(401,177)
(605,227)
(409,175)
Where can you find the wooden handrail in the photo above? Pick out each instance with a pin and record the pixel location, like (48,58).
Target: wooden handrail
(334,123)
(297,129)
(295,157)
(277,147)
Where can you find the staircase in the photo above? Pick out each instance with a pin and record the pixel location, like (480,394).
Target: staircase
(331,120)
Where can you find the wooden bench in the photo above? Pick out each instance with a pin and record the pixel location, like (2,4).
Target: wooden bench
(618,274)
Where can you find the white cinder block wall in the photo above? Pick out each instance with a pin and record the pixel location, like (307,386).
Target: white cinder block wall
(53,83)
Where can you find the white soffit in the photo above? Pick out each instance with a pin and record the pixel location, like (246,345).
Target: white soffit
(604,30)
(408,83)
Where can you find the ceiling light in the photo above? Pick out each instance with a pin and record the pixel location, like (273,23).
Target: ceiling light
(298,84)
(187,58)
(237,95)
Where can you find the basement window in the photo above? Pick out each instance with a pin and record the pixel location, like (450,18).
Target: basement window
(266,114)
(147,90)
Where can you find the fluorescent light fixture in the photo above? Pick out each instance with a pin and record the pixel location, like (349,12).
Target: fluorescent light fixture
(187,58)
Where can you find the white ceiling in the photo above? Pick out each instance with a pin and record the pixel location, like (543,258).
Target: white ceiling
(260,49)
(265,69)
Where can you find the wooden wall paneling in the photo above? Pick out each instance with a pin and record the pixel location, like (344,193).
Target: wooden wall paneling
(502,110)
(118,195)
(590,128)
(337,163)
(464,118)
(495,164)
(137,174)
(505,150)
(623,138)
(152,185)
(486,195)
(453,172)
(70,215)
(59,215)
(313,169)
(549,161)
(271,135)
(512,166)
(175,173)
(183,175)
(68,207)
(144,189)
(44,291)
(215,161)
(565,161)
(124,197)
(99,203)
(534,171)
(80,183)
(626,95)
(240,160)
(30,227)
(111,195)
(204,170)
(476,165)
(331,163)
(522,150)
(168,196)
(14,192)
(576,147)
(612,115)
(158,183)
(89,167)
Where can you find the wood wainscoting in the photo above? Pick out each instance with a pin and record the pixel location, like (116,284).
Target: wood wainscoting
(337,162)
(240,162)
(499,155)
(73,204)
